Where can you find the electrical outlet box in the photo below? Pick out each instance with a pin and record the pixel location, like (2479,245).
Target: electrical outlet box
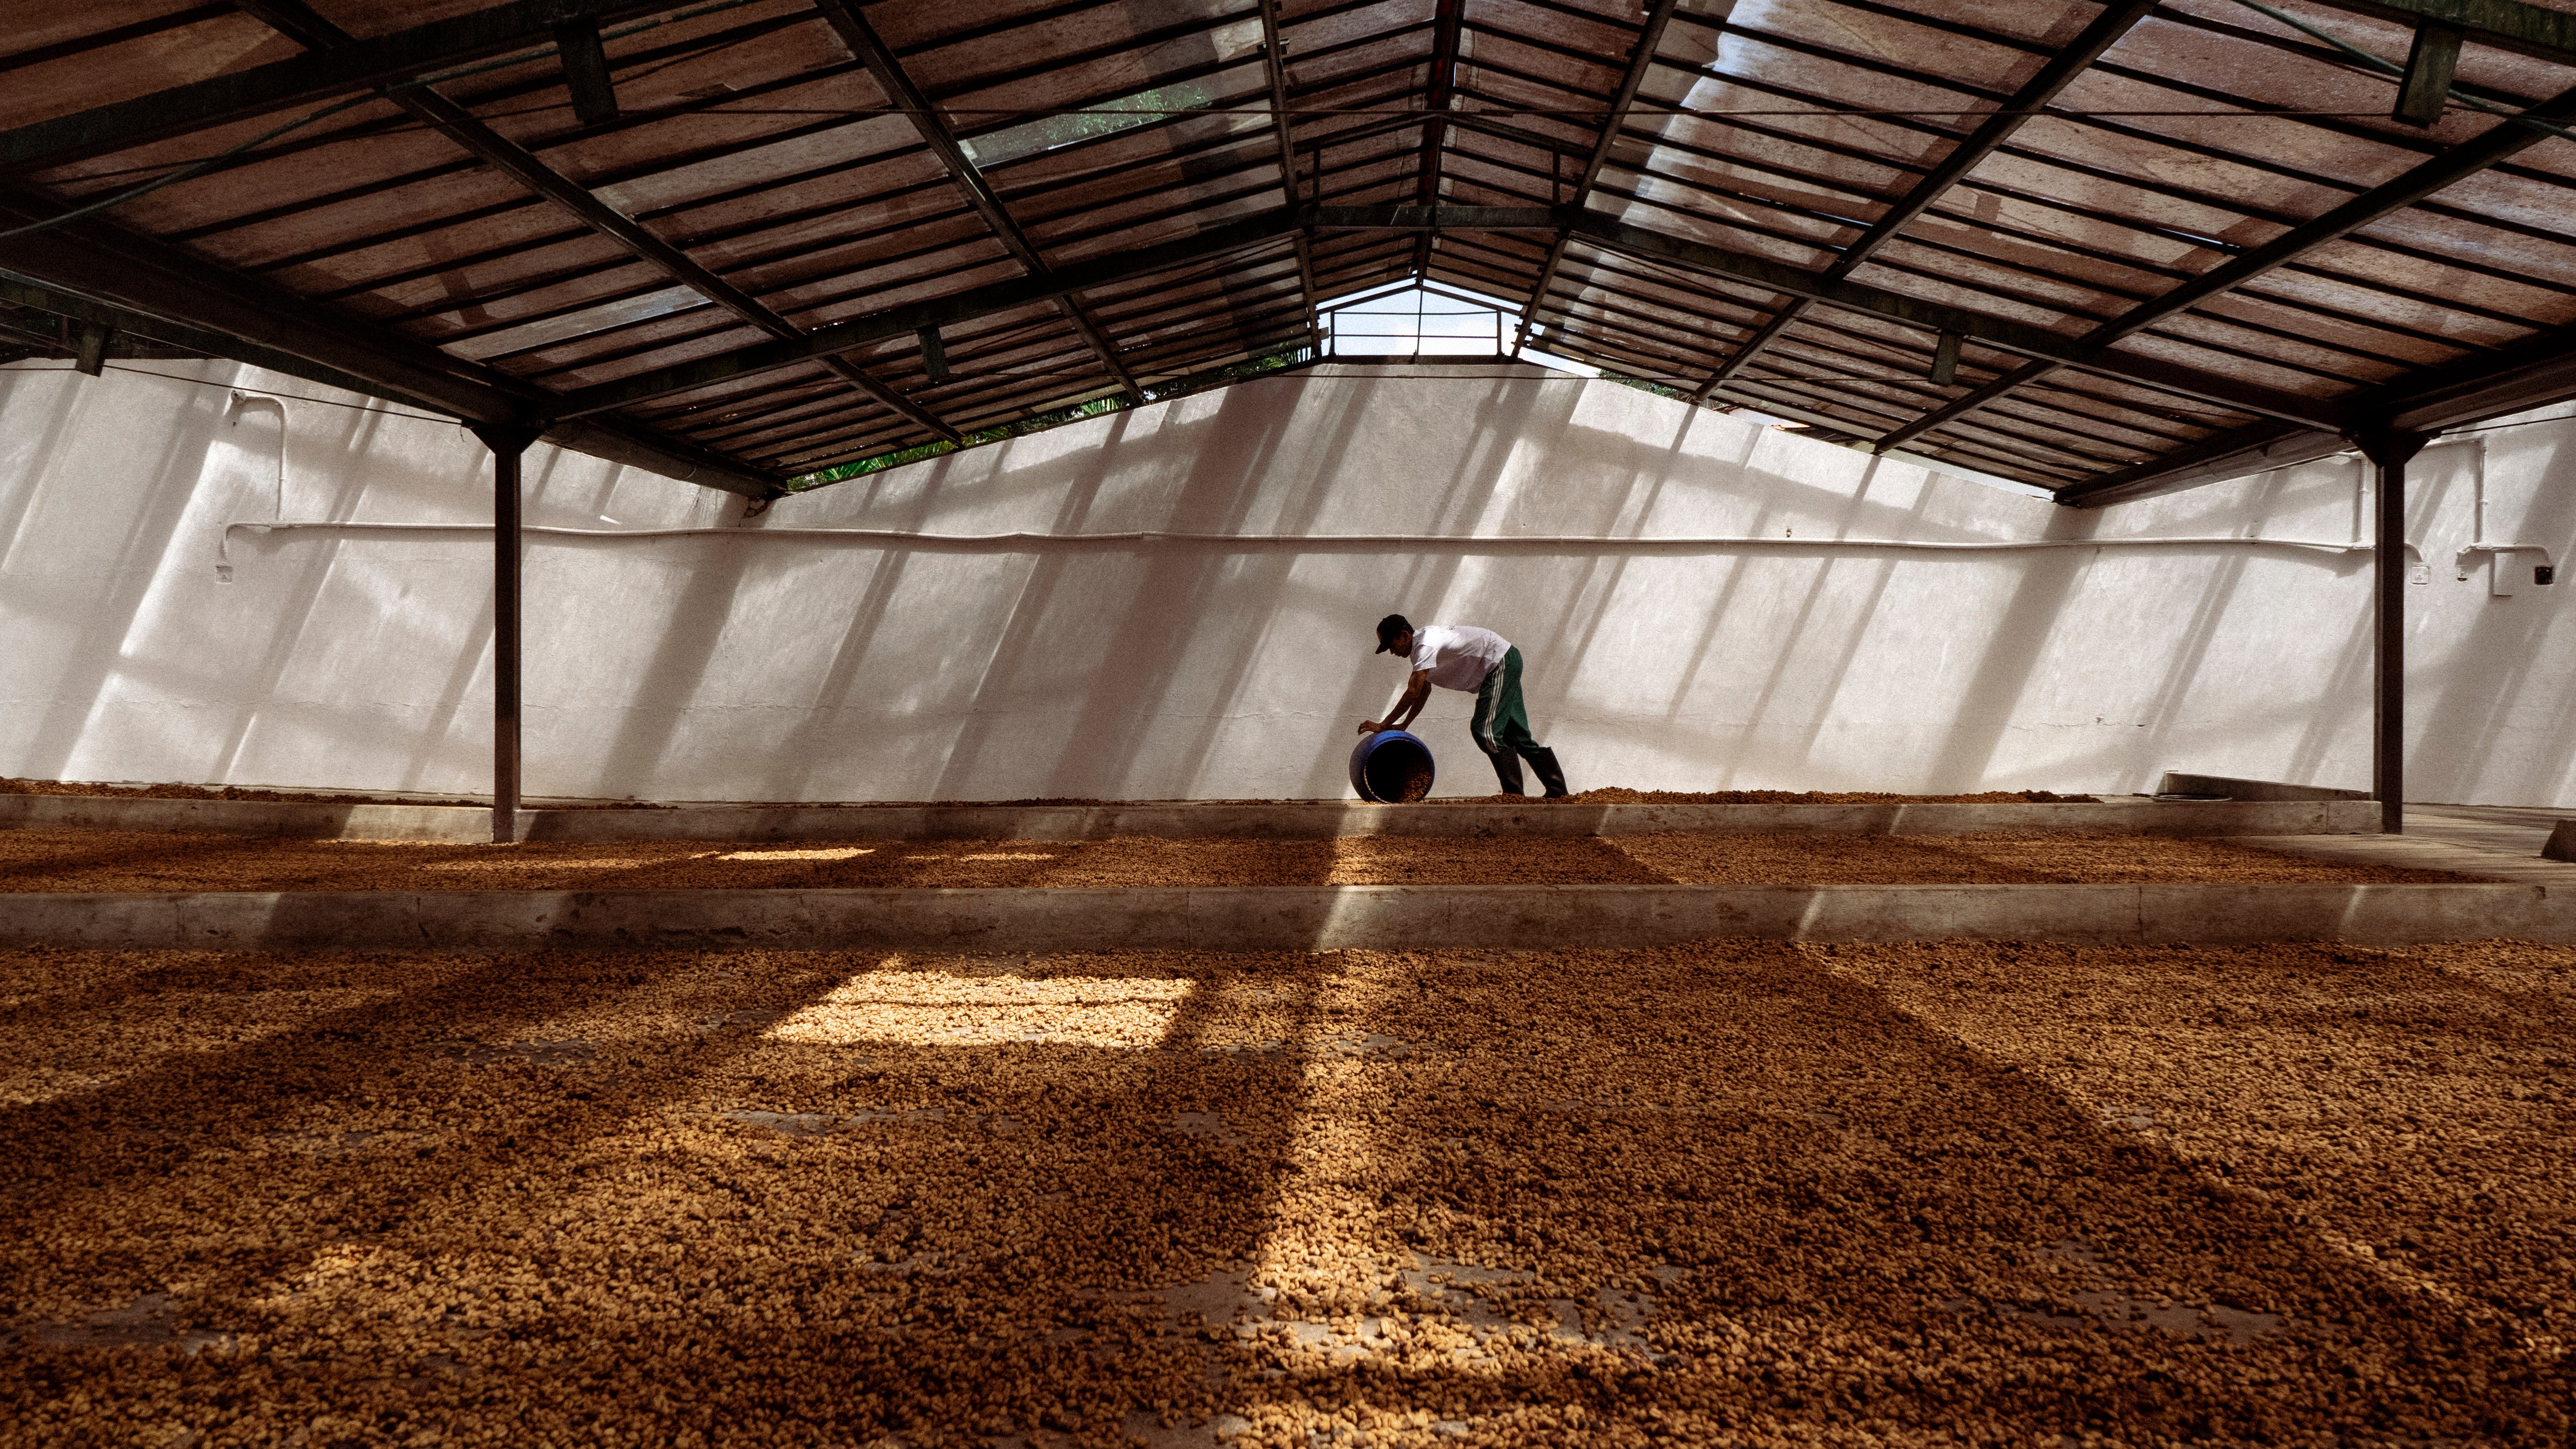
(2544,575)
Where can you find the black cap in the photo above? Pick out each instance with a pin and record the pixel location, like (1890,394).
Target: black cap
(1388,628)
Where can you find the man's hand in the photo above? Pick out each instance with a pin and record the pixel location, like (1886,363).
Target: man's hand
(1370,726)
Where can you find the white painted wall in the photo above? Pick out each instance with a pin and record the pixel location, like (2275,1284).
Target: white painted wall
(776,669)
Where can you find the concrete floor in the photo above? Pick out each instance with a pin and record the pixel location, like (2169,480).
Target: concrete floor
(2519,829)
(2501,842)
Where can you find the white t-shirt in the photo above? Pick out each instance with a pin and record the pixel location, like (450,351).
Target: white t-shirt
(1458,656)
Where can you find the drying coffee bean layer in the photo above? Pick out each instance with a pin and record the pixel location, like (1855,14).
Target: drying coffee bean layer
(2019,857)
(102,860)
(1734,1192)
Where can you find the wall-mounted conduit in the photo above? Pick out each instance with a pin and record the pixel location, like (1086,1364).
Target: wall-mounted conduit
(242,402)
(2499,556)
(1317,542)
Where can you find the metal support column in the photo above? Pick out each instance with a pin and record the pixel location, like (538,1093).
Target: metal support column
(508,445)
(2388,452)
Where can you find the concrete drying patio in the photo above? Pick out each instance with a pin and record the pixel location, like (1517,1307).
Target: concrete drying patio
(1734,1193)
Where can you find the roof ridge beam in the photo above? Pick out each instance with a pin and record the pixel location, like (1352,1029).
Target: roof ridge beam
(1274,62)
(872,52)
(2509,136)
(1436,218)
(1641,58)
(1440,87)
(2062,69)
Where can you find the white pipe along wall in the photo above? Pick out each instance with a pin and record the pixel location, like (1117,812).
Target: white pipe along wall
(1178,601)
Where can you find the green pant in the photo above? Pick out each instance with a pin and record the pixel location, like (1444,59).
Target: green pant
(1501,725)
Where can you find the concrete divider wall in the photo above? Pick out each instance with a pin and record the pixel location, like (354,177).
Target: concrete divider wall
(287,819)
(1287,918)
(2178,782)
(1286,821)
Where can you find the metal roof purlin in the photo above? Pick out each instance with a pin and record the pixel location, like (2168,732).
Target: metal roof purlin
(2055,76)
(2532,30)
(2537,370)
(871,51)
(1640,60)
(197,339)
(1779,277)
(299,22)
(981,301)
(2505,138)
(318,75)
(99,261)
(1937,317)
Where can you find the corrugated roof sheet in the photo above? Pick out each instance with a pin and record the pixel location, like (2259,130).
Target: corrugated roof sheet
(2172,240)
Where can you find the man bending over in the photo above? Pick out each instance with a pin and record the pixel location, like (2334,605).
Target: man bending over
(1462,657)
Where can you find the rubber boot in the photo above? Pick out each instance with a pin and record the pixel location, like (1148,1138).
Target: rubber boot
(1551,776)
(1507,766)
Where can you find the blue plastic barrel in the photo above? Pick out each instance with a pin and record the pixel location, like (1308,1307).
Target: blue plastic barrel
(1391,768)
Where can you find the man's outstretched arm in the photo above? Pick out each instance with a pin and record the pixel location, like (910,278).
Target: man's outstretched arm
(1417,692)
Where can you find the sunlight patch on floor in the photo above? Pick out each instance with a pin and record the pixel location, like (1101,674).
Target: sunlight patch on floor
(934,1008)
